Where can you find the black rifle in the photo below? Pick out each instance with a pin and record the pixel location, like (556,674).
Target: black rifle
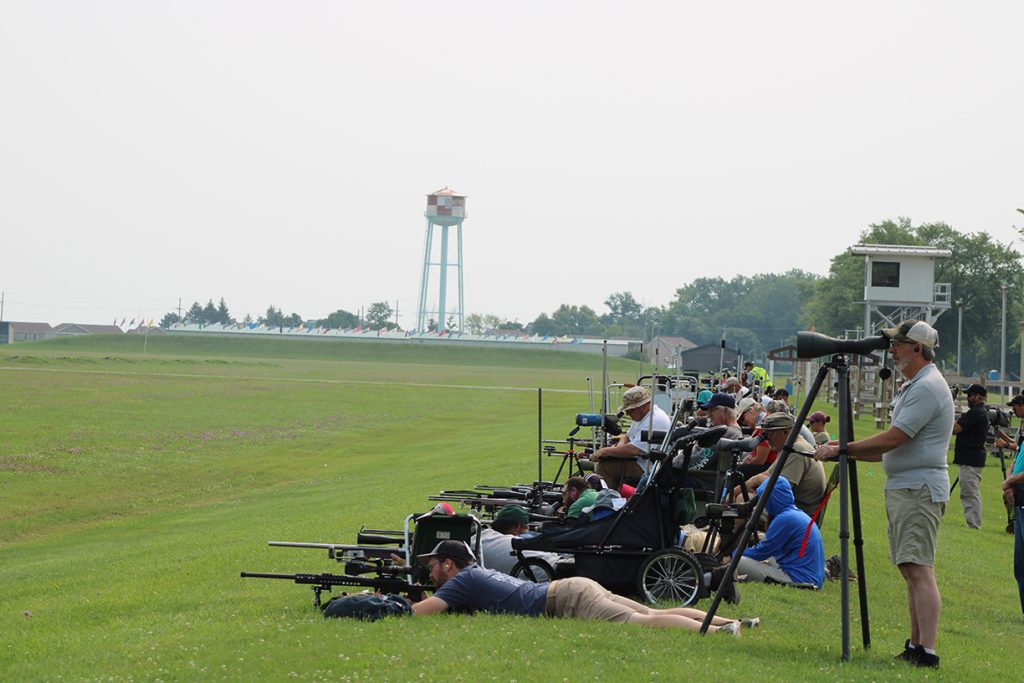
(324,582)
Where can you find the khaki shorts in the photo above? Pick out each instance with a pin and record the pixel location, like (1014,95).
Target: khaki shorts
(913,525)
(586,599)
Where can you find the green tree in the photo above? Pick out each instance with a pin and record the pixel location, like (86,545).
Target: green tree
(543,325)
(194,314)
(379,315)
(340,319)
(169,319)
(576,320)
(223,316)
(210,313)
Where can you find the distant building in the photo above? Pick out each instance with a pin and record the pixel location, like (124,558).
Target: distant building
(709,358)
(12,332)
(665,351)
(77,329)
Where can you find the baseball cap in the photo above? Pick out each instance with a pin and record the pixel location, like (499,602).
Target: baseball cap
(781,392)
(512,513)
(703,397)
(819,416)
(777,421)
(977,389)
(1016,400)
(913,331)
(634,398)
(456,549)
(720,399)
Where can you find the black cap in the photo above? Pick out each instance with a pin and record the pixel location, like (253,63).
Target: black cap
(718,400)
(1016,400)
(976,389)
(456,549)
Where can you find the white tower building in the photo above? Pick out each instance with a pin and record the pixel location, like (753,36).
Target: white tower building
(446,208)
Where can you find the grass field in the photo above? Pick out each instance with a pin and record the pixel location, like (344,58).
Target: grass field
(134,488)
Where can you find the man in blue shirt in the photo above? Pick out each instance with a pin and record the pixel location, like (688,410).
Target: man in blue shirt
(464,586)
(791,551)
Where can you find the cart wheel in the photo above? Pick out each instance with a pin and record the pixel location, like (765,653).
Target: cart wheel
(670,575)
(541,571)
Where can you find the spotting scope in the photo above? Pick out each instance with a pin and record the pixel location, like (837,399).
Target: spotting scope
(814,345)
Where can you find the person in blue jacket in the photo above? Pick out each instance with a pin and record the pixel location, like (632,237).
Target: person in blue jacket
(791,550)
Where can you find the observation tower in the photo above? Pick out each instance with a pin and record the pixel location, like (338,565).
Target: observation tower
(446,209)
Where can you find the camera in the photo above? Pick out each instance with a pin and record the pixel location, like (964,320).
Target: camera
(813,345)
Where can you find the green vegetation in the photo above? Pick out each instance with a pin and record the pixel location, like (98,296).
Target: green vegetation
(134,488)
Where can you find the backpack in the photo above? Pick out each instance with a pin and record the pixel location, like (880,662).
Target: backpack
(366,606)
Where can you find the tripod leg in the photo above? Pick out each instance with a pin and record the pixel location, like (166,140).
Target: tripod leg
(858,549)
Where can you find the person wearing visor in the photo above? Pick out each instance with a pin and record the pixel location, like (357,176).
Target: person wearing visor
(913,454)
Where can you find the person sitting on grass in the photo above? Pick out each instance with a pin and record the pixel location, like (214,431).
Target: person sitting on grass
(465,587)
(496,540)
(791,551)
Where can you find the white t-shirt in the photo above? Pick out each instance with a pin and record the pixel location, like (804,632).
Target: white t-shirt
(662,422)
(497,551)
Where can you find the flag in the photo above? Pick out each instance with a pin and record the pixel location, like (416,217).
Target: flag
(123,321)
(132,323)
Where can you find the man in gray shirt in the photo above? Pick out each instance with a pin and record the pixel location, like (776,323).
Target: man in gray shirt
(913,455)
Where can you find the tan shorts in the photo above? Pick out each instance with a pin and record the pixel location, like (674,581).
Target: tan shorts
(586,599)
(913,525)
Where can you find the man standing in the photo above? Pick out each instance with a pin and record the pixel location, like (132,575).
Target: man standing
(622,461)
(913,454)
(969,453)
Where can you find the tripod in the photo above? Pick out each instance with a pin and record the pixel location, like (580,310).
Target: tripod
(848,495)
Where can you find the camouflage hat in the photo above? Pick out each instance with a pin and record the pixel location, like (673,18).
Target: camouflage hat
(777,421)
(634,398)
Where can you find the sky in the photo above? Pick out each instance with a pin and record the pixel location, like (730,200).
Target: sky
(280,153)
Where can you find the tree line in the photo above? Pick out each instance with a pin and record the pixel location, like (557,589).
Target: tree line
(757,312)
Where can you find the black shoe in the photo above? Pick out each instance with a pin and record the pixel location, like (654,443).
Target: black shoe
(730,593)
(910,654)
(926,659)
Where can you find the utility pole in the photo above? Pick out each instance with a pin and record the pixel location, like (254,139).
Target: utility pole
(396,312)
(1,307)
(179,308)
(1002,347)
(959,332)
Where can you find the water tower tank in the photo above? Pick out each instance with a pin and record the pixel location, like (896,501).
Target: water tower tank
(445,207)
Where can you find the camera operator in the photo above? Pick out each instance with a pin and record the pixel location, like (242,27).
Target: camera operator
(783,556)
(619,462)
(913,452)
(969,453)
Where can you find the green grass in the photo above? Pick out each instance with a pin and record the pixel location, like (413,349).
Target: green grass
(133,489)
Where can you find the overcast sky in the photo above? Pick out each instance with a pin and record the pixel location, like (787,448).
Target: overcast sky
(280,152)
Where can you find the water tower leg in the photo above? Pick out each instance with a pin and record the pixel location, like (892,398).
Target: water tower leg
(462,310)
(441,316)
(421,315)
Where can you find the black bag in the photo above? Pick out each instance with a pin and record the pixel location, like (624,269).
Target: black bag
(366,606)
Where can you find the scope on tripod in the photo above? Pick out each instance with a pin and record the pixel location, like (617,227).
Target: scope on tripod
(609,423)
(814,345)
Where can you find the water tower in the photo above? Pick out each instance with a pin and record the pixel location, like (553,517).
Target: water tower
(446,208)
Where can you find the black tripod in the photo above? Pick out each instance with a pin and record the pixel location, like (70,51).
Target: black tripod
(848,494)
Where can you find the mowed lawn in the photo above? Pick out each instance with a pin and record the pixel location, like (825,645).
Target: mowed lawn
(134,488)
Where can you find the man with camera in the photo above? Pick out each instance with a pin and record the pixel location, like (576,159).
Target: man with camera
(969,453)
(624,460)
(913,453)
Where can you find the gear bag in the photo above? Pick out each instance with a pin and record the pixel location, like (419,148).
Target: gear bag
(366,606)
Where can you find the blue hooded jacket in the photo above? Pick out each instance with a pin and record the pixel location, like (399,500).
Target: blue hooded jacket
(785,537)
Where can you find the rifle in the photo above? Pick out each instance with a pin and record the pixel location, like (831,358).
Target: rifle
(388,582)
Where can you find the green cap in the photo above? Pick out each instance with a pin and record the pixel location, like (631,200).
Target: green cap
(512,513)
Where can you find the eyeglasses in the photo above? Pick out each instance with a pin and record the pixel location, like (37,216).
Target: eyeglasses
(894,342)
